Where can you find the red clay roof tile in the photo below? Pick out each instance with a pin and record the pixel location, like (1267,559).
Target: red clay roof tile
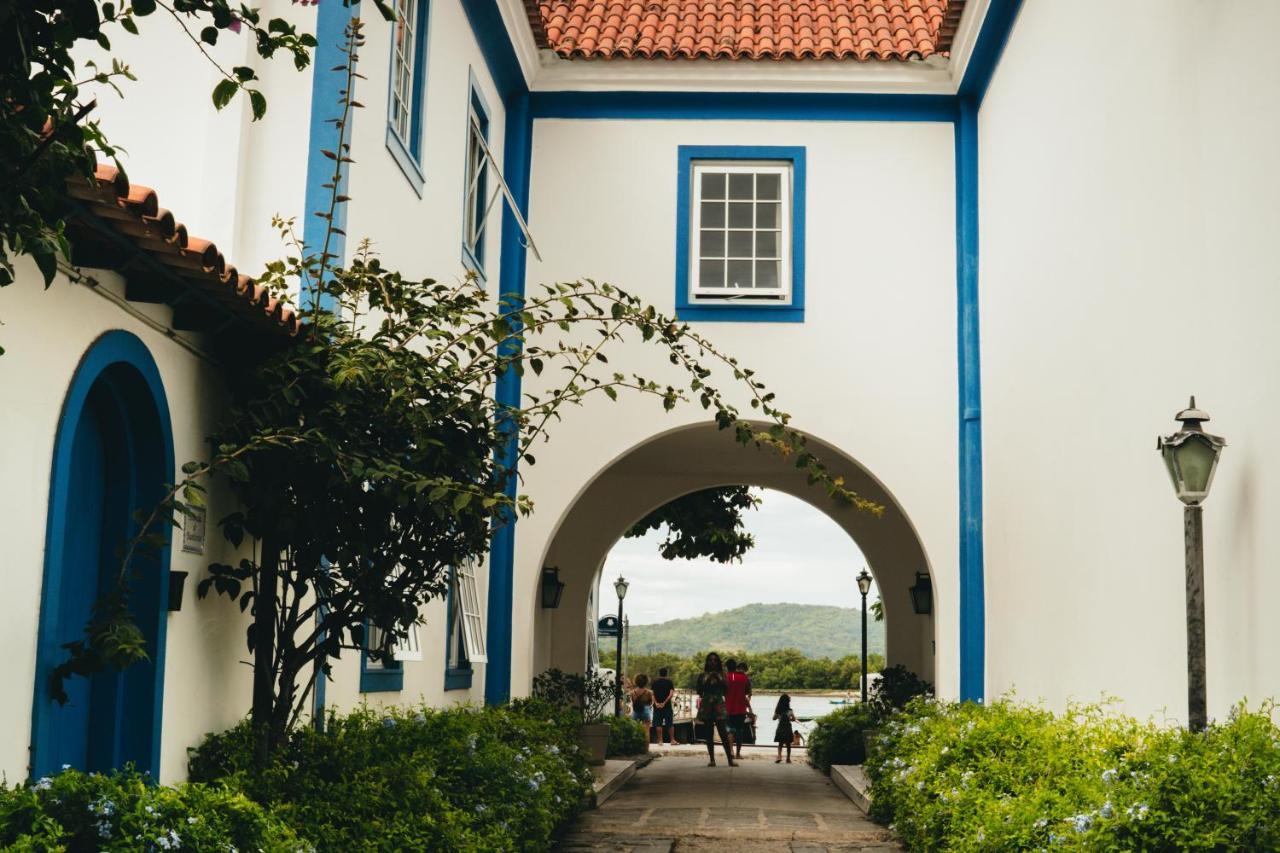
(133,211)
(858,30)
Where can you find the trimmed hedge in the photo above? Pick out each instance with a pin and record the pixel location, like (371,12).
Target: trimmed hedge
(626,736)
(1017,777)
(497,778)
(124,811)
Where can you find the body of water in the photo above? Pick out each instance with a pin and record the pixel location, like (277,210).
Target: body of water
(807,709)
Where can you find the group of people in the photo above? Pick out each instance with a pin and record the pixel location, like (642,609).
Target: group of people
(724,704)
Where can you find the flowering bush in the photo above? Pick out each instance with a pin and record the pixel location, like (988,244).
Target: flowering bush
(124,811)
(837,738)
(626,736)
(1016,777)
(499,778)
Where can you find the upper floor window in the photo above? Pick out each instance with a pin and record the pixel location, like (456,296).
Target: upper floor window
(741,233)
(477,203)
(408,83)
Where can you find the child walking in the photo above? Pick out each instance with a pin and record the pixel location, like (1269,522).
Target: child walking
(785,717)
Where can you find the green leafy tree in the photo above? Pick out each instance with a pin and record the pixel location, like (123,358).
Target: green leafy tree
(706,523)
(372,456)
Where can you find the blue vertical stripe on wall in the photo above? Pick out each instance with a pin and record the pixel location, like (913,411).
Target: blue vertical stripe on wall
(516,158)
(326,88)
(972,599)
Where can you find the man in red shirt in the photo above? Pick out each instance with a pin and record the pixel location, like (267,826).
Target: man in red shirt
(737,702)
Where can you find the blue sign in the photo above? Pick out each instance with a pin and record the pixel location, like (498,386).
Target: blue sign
(607,627)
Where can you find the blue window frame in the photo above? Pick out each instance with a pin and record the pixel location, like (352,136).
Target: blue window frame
(457,666)
(407,89)
(476,202)
(740,233)
(377,676)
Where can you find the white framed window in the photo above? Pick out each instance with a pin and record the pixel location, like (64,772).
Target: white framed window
(467,596)
(478,203)
(741,231)
(409,648)
(404,71)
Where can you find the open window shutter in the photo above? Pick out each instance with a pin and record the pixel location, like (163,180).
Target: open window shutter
(409,648)
(468,599)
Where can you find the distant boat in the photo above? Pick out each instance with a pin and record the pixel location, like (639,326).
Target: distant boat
(840,701)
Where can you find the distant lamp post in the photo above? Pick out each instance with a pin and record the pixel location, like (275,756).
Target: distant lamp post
(922,595)
(864,586)
(1191,456)
(620,587)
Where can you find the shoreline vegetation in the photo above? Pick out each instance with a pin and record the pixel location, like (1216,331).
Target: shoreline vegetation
(783,670)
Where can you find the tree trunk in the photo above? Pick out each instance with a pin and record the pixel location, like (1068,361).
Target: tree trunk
(265,605)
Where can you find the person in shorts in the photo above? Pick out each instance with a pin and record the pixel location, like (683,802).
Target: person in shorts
(664,696)
(737,704)
(642,703)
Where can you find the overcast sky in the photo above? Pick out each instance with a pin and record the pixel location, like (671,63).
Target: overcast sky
(801,556)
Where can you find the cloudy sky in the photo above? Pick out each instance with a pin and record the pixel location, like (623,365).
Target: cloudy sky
(801,556)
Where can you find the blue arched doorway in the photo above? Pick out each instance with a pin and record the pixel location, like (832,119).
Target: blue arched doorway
(113,454)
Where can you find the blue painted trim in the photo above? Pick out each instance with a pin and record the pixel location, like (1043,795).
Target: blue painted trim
(495,46)
(517,155)
(112,348)
(326,85)
(987,50)
(972,594)
(474,261)
(408,153)
(753,106)
(686,309)
(455,678)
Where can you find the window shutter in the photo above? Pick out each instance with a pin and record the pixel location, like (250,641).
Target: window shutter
(410,648)
(468,598)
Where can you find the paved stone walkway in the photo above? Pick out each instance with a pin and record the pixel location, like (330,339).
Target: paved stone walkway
(677,805)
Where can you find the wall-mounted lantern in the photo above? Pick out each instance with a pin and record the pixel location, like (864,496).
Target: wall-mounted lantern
(177,581)
(552,588)
(922,594)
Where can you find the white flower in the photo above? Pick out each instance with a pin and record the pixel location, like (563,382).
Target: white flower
(44,783)
(1107,810)
(1081,822)
(1173,759)
(66,767)
(1109,775)
(1138,811)
(192,819)
(1041,823)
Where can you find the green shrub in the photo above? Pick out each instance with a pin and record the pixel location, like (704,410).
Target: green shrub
(837,737)
(1015,777)
(895,688)
(498,778)
(626,736)
(124,811)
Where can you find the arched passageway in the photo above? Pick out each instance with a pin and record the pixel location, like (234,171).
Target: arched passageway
(698,457)
(113,454)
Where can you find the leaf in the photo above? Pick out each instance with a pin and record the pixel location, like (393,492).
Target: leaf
(461,499)
(258,103)
(224,92)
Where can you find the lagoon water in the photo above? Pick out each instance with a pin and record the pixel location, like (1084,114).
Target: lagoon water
(806,708)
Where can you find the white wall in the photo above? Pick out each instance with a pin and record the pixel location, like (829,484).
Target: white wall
(872,368)
(1128,187)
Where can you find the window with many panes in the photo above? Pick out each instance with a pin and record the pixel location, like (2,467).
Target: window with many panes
(740,226)
(477,203)
(404,68)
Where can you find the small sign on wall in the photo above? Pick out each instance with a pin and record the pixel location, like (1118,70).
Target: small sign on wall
(193,527)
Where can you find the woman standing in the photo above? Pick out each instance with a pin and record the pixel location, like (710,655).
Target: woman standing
(784,735)
(711,712)
(642,704)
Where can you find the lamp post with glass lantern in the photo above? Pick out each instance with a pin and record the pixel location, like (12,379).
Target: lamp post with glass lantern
(1191,457)
(620,587)
(864,586)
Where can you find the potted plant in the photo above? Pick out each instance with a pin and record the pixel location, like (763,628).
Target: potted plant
(590,694)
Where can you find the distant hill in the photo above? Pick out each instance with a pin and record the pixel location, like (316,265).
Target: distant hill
(817,630)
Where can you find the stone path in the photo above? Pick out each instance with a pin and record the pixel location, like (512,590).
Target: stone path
(677,804)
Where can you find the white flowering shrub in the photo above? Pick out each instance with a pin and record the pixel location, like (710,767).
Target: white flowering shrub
(493,778)
(126,811)
(1008,776)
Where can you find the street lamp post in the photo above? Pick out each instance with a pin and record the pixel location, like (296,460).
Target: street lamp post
(1191,457)
(620,587)
(864,586)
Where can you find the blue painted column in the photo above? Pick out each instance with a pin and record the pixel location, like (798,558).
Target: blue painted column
(323,134)
(972,597)
(516,158)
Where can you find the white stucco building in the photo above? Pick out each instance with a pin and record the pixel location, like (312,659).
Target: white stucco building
(981,250)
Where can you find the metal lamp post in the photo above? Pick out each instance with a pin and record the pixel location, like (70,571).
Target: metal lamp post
(864,586)
(620,587)
(1191,456)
